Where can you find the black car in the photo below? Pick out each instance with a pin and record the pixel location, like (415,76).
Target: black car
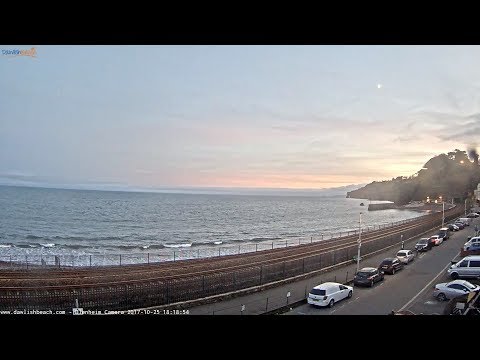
(390,265)
(368,276)
(424,244)
(444,233)
(453,228)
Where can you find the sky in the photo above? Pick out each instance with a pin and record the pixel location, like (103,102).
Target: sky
(300,117)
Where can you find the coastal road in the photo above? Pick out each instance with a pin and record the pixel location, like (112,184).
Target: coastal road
(412,286)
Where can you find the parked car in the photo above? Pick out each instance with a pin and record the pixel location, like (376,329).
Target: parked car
(453,227)
(437,239)
(468,267)
(460,224)
(405,256)
(465,220)
(453,289)
(472,242)
(472,215)
(368,276)
(327,294)
(444,233)
(424,244)
(473,247)
(390,265)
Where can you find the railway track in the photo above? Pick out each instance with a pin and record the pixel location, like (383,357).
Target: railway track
(59,279)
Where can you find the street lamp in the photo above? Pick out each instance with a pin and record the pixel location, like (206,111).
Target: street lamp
(443,211)
(359,240)
(465,207)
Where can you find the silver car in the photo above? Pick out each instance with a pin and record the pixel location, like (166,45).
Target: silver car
(405,256)
(445,291)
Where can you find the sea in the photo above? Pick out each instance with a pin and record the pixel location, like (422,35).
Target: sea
(116,226)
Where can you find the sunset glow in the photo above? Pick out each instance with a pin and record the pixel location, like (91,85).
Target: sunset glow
(234,116)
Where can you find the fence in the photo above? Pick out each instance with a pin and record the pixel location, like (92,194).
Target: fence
(270,304)
(143,294)
(97,260)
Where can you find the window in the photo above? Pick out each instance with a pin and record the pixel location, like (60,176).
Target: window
(363,274)
(463,263)
(470,286)
(456,286)
(475,263)
(317,292)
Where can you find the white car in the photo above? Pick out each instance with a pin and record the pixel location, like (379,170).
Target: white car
(405,256)
(437,239)
(472,243)
(445,291)
(327,294)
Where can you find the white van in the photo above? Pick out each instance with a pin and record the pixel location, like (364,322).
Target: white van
(472,243)
(468,267)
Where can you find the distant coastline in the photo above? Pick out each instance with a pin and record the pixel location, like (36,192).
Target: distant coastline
(337,191)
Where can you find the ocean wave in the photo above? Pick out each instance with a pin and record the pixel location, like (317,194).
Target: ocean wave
(265,238)
(48,245)
(157,246)
(5,246)
(75,246)
(26,245)
(209,243)
(97,238)
(177,245)
(33,237)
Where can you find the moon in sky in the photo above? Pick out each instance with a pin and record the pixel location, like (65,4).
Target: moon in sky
(379,86)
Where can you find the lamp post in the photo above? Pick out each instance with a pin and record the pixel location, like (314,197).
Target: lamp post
(359,241)
(465,207)
(443,211)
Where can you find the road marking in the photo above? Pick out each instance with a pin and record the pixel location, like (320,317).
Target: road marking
(301,313)
(331,312)
(357,298)
(429,284)
(431,302)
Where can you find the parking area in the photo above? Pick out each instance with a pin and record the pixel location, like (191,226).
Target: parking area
(409,289)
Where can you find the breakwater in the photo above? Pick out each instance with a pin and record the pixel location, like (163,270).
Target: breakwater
(383,206)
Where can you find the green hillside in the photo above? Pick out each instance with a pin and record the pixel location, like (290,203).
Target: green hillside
(452,176)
